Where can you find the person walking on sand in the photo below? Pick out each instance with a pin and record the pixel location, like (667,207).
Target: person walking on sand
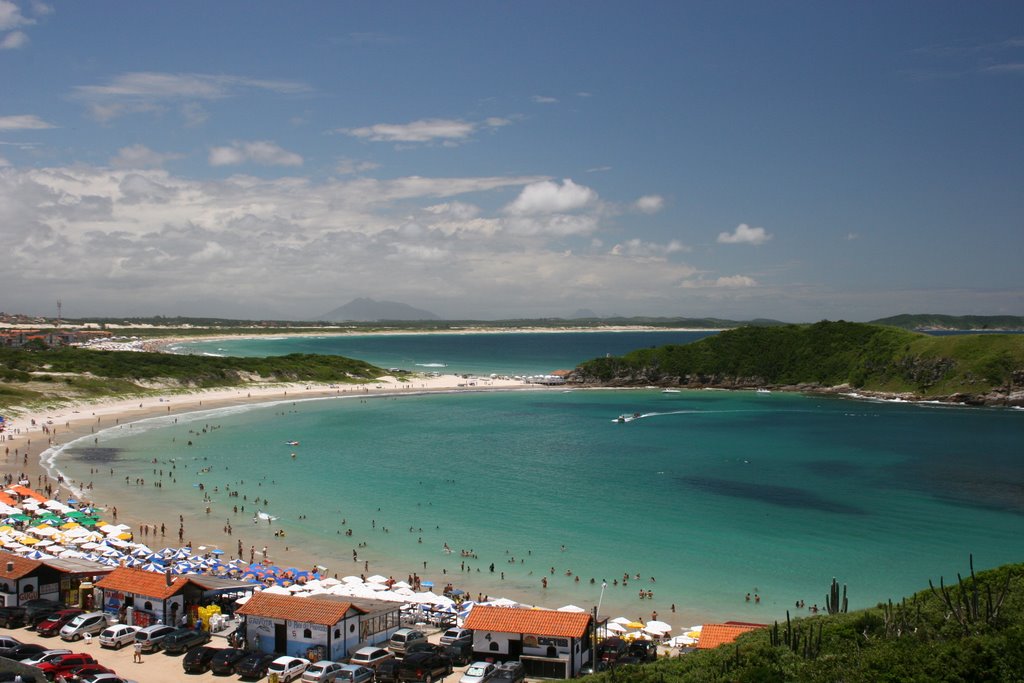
(137,657)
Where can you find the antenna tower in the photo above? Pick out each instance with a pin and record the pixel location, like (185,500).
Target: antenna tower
(58,312)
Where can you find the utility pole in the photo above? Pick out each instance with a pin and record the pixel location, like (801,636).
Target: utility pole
(58,313)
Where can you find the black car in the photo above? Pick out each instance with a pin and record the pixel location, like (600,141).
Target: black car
(461,653)
(512,672)
(12,617)
(26,650)
(594,668)
(223,663)
(197,660)
(427,647)
(424,666)
(387,671)
(38,609)
(254,665)
(644,650)
(611,649)
(183,639)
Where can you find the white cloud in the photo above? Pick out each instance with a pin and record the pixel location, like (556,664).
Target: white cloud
(23,122)
(256,151)
(4,162)
(14,40)
(650,203)
(40,9)
(744,234)
(726,282)
(194,114)
(140,156)
(636,247)
(143,91)
(351,166)
(457,210)
(444,131)
(544,99)
(11,16)
(550,197)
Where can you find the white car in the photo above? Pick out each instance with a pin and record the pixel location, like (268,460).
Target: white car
(287,668)
(478,672)
(44,656)
(118,635)
(323,671)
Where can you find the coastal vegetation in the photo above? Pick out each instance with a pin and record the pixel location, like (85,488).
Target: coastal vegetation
(935,321)
(30,376)
(984,368)
(968,630)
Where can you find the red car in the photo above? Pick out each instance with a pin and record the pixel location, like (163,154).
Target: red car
(80,673)
(58,666)
(51,625)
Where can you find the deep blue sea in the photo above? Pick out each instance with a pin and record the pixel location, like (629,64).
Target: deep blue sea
(714,494)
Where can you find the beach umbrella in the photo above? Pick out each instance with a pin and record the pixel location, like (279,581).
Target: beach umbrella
(570,608)
(657,628)
(376,578)
(622,620)
(614,627)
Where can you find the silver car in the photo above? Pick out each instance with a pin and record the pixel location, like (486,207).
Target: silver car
(323,671)
(118,635)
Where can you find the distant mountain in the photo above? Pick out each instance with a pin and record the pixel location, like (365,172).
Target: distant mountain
(934,321)
(368,310)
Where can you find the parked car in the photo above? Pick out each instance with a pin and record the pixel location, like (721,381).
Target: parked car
(152,637)
(223,663)
(354,673)
(403,638)
(424,646)
(80,673)
(644,650)
(510,672)
(182,640)
(478,672)
(106,678)
(118,635)
(594,668)
(62,664)
(457,635)
(323,671)
(44,656)
(37,608)
(12,617)
(25,651)
(254,665)
(287,668)
(387,670)
(7,643)
(424,666)
(461,653)
(52,623)
(370,657)
(197,660)
(611,649)
(90,624)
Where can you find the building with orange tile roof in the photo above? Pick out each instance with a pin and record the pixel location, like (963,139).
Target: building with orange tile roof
(23,579)
(713,635)
(549,643)
(152,596)
(332,625)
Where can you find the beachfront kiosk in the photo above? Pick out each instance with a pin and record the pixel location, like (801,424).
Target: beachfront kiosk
(549,643)
(22,579)
(323,626)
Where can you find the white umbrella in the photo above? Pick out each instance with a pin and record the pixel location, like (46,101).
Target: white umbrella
(570,608)
(660,626)
(615,627)
(376,578)
(621,620)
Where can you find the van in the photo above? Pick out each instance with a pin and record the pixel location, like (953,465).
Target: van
(403,638)
(89,624)
(151,637)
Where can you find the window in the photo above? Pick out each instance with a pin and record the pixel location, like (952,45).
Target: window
(337,633)
(307,633)
(494,646)
(148,606)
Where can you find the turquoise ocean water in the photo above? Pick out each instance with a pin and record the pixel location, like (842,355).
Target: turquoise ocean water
(715,494)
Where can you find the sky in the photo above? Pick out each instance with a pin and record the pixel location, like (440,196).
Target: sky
(490,160)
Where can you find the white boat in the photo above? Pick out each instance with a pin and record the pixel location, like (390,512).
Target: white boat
(763,391)
(670,391)
(626,418)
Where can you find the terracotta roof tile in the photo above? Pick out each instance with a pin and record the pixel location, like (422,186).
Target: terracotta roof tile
(713,635)
(308,609)
(540,622)
(139,582)
(20,566)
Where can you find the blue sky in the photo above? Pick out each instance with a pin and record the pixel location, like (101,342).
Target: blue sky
(789,160)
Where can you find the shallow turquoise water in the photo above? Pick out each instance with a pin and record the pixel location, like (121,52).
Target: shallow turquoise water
(714,493)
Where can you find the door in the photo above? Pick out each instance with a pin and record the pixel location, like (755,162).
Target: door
(280,638)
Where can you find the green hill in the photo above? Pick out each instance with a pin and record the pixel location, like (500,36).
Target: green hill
(935,321)
(986,368)
(57,375)
(968,630)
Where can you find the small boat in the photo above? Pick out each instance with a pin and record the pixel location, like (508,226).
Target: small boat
(763,391)
(626,418)
(670,391)
(291,443)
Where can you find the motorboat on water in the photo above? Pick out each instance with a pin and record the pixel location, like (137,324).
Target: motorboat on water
(670,391)
(626,418)
(291,443)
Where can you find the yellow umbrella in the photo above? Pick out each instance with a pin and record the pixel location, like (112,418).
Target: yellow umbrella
(28,540)
(635,624)
(69,525)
